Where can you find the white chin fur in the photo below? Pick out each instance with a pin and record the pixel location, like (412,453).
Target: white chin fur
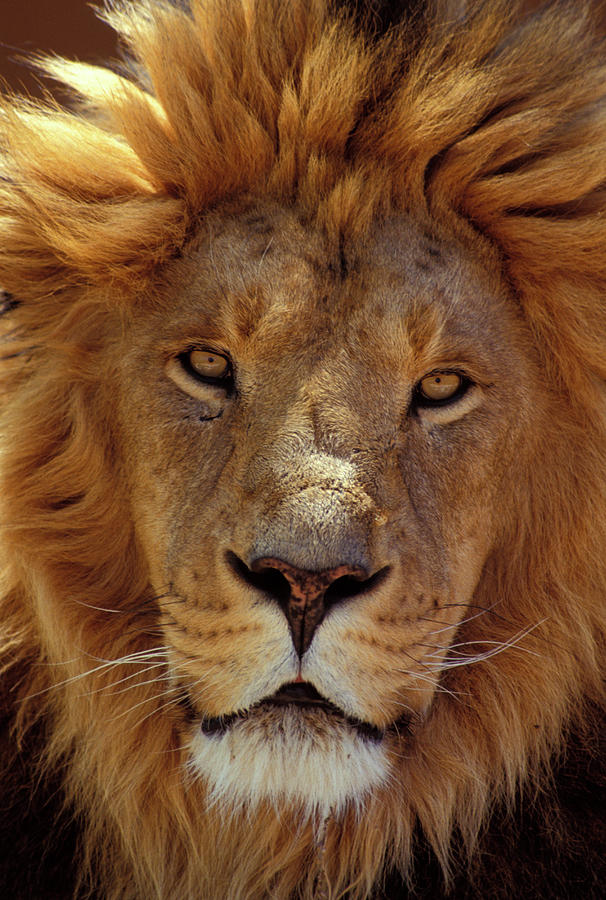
(290,756)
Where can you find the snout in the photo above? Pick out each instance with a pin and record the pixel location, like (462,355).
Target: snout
(312,549)
(305,597)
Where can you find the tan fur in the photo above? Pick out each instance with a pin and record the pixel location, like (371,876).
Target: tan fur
(261,156)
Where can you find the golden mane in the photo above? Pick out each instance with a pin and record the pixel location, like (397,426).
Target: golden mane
(494,124)
(471,119)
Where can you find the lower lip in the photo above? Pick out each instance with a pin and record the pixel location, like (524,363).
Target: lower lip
(220,725)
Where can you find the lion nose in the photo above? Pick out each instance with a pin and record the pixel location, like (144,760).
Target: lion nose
(305,597)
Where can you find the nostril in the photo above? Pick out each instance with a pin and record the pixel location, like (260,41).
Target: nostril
(348,586)
(265,579)
(273,583)
(304,596)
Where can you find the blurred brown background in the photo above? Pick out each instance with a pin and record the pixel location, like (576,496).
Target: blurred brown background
(68,27)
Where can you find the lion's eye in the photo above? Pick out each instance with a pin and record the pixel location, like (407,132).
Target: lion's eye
(440,387)
(207,365)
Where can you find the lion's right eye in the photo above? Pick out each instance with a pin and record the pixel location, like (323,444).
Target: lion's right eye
(207,365)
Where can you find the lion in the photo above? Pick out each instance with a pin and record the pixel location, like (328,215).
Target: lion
(303,466)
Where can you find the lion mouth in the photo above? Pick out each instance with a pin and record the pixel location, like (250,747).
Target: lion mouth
(305,696)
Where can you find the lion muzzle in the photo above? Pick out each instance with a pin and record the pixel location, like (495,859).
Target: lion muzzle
(310,594)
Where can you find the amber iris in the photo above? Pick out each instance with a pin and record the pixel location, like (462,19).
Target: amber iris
(208,364)
(440,386)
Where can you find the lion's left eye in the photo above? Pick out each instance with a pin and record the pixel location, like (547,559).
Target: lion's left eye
(440,387)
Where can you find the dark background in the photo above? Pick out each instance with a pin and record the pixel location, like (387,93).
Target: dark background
(67,27)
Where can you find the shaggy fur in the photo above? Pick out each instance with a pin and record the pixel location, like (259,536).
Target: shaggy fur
(487,127)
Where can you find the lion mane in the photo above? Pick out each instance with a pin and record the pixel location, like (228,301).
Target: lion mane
(486,125)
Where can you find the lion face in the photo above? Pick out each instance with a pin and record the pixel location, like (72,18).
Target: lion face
(302,452)
(321,446)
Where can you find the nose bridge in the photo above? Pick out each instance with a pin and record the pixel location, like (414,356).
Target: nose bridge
(332,403)
(315,514)
(333,426)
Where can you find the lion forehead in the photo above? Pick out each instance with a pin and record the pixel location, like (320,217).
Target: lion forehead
(291,283)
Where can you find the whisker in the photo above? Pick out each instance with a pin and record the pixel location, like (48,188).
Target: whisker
(143,702)
(136,658)
(499,647)
(129,657)
(419,676)
(496,647)
(481,610)
(447,625)
(114,684)
(98,608)
(170,703)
